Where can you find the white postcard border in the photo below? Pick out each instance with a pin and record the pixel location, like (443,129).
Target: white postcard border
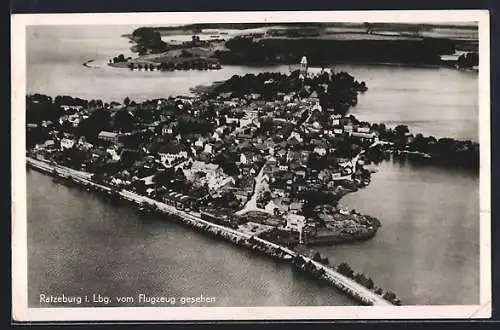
(21,312)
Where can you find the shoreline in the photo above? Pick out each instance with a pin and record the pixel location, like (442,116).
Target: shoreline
(86,64)
(138,60)
(301,262)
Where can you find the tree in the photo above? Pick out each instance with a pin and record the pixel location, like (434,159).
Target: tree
(227,164)
(126,101)
(140,187)
(162,179)
(389,295)
(317,257)
(344,269)
(98,121)
(369,27)
(123,120)
(468,60)
(369,283)
(179,173)
(365,174)
(401,130)
(204,190)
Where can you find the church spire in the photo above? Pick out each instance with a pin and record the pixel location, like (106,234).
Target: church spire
(303,66)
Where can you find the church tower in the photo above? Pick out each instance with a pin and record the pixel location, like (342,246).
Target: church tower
(303,66)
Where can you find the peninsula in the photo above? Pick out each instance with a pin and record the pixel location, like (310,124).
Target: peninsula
(208,46)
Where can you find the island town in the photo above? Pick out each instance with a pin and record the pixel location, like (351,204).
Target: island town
(259,160)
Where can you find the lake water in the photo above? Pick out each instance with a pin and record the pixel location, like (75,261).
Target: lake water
(427,250)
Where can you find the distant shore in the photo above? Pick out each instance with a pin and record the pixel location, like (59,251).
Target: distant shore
(263,45)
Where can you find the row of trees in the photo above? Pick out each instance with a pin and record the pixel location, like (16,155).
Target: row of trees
(346,270)
(186,64)
(308,267)
(119,59)
(145,66)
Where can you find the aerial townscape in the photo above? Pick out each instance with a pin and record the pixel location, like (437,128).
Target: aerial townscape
(260,160)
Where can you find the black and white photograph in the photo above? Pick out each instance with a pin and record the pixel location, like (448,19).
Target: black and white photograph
(251,166)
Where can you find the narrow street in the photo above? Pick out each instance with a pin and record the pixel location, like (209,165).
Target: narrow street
(251,205)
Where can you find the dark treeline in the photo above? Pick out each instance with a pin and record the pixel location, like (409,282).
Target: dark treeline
(42,107)
(468,60)
(239,26)
(444,151)
(401,27)
(182,63)
(244,50)
(199,27)
(148,40)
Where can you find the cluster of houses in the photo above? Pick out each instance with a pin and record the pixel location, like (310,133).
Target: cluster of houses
(250,130)
(208,174)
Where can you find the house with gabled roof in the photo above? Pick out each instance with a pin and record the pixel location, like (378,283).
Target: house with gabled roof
(108,136)
(171,151)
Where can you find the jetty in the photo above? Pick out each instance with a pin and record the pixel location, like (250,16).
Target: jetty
(193,219)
